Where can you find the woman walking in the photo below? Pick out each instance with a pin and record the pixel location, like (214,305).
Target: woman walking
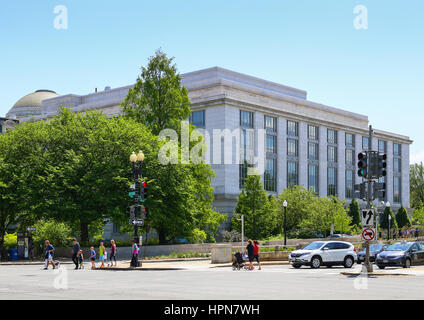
(250,249)
(256,253)
(102,252)
(112,253)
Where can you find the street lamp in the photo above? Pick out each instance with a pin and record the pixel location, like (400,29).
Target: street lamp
(285,224)
(137,166)
(390,218)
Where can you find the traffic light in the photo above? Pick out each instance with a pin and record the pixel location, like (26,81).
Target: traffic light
(143,191)
(379,190)
(360,191)
(131,212)
(381,167)
(363,164)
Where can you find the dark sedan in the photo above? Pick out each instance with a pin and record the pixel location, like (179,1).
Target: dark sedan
(375,249)
(402,254)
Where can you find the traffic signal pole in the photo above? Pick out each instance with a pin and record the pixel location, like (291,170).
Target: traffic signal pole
(367,263)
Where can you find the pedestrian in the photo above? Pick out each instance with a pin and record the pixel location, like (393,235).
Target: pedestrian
(134,251)
(93,258)
(81,259)
(394,234)
(49,255)
(400,233)
(250,249)
(112,255)
(417,232)
(256,253)
(102,252)
(75,250)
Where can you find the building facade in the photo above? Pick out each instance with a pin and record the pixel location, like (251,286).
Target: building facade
(303,142)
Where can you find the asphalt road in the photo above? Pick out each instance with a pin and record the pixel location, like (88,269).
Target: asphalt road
(202,282)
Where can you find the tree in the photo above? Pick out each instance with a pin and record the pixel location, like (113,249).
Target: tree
(417,185)
(355,213)
(418,216)
(402,218)
(181,194)
(158,99)
(75,167)
(259,215)
(384,222)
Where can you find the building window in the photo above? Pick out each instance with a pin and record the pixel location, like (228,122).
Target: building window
(246,154)
(331,181)
(396,149)
(332,154)
(349,184)
(396,189)
(292,173)
(350,141)
(312,151)
(292,128)
(243,167)
(246,119)
(313,177)
(365,143)
(270,180)
(332,136)
(270,143)
(381,146)
(350,157)
(312,132)
(197,118)
(270,123)
(292,147)
(396,165)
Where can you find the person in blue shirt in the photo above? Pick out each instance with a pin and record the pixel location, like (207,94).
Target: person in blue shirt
(93,258)
(49,256)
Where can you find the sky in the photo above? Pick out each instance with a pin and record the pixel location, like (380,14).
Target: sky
(314,45)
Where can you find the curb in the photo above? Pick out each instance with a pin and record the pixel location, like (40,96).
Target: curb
(140,269)
(276,263)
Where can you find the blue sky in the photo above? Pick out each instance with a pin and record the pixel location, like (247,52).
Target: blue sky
(311,45)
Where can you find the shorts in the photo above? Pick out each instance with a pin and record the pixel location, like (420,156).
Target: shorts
(93,259)
(49,257)
(101,258)
(256,257)
(251,258)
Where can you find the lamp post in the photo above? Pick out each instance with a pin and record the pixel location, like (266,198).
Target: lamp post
(285,222)
(242,231)
(137,166)
(390,218)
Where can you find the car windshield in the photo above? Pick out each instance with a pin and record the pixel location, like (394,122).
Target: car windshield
(376,247)
(313,246)
(399,247)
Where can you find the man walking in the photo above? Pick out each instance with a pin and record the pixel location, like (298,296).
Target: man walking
(75,249)
(49,255)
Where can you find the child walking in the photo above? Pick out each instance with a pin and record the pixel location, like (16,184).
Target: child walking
(80,259)
(102,254)
(93,258)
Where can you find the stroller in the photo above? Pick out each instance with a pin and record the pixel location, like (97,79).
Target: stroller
(239,262)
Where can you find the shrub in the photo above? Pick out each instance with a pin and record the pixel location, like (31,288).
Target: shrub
(58,233)
(10,240)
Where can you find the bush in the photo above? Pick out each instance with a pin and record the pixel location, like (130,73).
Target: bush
(10,240)
(231,236)
(58,233)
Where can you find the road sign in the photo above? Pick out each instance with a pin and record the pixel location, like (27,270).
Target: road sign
(31,229)
(131,194)
(368,234)
(367,217)
(132,187)
(137,222)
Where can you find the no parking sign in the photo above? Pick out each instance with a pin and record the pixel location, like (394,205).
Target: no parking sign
(368,234)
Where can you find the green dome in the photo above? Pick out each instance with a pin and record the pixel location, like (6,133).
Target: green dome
(30,105)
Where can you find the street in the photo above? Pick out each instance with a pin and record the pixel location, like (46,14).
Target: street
(200,281)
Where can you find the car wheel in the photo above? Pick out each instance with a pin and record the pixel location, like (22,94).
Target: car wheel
(407,263)
(296,266)
(315,262)
(348,262)
(381,267)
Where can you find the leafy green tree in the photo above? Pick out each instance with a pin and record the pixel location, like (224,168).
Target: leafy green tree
(299,205)
(416,183)
(158,99)
(418,216)
(181,194)
(384,221)
(58,233)
(402,218)
(355,213)
(259,215)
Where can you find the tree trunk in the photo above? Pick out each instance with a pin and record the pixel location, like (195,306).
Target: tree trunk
(162,236)
(84,232)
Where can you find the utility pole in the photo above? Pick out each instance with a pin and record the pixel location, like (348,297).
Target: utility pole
(367,263)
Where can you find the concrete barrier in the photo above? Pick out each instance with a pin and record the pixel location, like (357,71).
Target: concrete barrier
(222,253)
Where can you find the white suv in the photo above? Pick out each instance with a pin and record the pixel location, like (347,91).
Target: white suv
(328,253)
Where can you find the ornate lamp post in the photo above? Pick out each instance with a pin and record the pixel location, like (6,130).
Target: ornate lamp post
(137,165)
(390,218)
(285,222)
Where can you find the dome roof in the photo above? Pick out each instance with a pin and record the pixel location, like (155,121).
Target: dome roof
(30,104)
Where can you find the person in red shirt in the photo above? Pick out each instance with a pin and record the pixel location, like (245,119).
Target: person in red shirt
(256,253)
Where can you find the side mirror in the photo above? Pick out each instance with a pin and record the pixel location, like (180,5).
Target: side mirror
(325,248)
